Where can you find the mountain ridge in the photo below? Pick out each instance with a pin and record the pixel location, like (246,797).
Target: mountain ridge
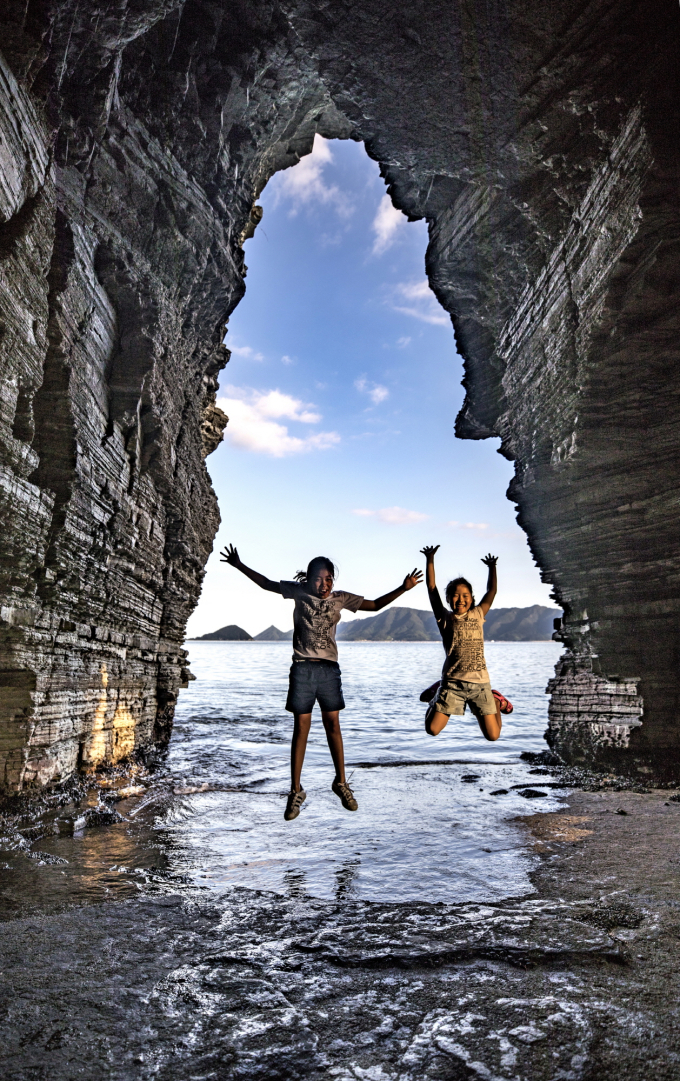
(532,624)
(273,634)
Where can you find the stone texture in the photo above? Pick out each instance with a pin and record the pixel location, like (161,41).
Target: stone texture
(576,982)
(541,144)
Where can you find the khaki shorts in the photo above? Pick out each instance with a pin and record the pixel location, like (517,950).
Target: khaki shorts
(454,694)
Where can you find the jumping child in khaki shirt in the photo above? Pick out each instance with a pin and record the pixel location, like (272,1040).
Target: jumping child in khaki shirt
(465,678)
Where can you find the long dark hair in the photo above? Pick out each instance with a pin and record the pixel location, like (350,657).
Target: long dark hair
(317,564)
(451,589)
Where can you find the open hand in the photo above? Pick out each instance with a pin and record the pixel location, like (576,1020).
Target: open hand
(230,555)
(430,550)
(490,560)
(413,579)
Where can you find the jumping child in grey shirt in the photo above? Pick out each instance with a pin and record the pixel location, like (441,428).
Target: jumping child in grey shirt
(315,673)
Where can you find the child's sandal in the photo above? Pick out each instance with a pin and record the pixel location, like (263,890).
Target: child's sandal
(504,704)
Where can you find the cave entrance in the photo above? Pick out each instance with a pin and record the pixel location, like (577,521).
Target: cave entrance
(342,392)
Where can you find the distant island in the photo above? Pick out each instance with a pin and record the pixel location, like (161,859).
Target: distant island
(534,624)
(273,634)
(232,633)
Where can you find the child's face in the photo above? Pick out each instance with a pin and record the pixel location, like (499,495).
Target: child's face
(321,584)
(461,600)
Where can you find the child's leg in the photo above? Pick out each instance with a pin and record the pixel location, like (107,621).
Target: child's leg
(331,722)
(486,709)
(448,697)
(435,722)
(298,747)
(490,725)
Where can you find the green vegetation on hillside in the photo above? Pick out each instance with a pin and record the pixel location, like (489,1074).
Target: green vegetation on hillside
(534,624)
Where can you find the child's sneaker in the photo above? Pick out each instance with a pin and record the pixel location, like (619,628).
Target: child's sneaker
(430,693)
(504,704)
(293,804)
(342,789)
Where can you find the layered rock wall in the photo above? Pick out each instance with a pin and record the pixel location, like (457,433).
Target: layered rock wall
(541,145)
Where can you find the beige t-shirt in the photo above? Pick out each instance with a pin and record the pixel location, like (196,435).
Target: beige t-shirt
(463,638)
(315,620)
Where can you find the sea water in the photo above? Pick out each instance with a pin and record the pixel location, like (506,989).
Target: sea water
(424,829)
(439,819)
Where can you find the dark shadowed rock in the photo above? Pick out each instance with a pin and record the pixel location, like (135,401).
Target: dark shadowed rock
(575,981)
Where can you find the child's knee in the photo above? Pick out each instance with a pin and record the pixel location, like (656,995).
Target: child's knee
(435,722)
(491,729)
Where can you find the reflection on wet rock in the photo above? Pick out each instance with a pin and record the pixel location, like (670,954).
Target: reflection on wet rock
(195,934)
(263,986)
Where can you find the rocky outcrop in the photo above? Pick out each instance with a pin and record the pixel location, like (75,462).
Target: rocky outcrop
(540,142)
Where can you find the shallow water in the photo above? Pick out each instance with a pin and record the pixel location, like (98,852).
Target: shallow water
(212,816)
(420,832)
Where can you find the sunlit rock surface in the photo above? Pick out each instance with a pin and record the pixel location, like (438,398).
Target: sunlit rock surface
(541,144)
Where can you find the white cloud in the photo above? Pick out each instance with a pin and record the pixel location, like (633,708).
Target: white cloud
(245,351)
(421,302)
(253,426)
(393,515)
(386,224)
(276,404)
(468,525)
(285,359)
(375,391)
(403,342)
(304,183)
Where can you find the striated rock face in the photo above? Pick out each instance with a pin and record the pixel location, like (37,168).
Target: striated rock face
(541,144)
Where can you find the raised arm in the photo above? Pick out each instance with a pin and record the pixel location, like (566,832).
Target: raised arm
(230,555)
(411,580)
(429,551)
(491,585)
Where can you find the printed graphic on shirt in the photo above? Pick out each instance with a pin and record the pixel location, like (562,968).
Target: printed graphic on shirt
(467,648)
(316,624)
(466,652)
(315,621)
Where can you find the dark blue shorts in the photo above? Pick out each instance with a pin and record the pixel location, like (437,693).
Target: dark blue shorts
(314,681)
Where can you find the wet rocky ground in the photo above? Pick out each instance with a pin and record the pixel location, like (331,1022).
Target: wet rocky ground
(578,980)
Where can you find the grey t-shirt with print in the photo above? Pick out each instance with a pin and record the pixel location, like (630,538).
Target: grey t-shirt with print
(315,620)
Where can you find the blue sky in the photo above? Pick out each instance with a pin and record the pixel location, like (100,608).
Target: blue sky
(342,393)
